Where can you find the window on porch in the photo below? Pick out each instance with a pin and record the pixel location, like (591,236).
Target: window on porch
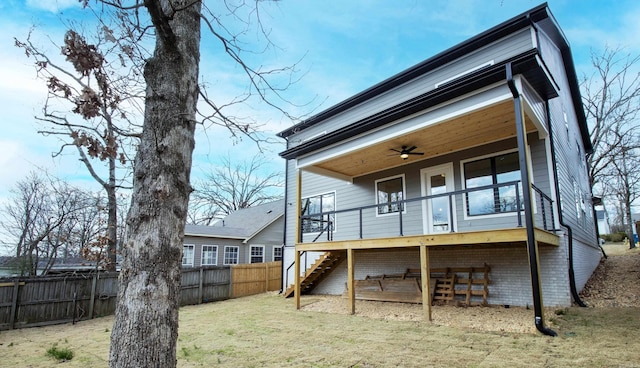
(491,171)
(388,191)
(318,204)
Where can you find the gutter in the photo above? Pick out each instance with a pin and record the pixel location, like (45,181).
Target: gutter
(532,249)
(572,276)
(566,54)
(284,232)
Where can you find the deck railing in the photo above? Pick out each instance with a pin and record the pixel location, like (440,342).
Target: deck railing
(503,204)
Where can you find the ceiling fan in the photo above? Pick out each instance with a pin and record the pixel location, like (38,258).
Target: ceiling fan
(406,151)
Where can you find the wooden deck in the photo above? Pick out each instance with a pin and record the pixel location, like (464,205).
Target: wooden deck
(516,236)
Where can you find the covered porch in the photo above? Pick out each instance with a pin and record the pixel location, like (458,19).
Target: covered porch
(491,115)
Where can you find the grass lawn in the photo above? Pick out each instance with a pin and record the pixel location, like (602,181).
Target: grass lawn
(266,331)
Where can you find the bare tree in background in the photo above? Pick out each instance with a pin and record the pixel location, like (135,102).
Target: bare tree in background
(91,106)
(611,99)
(232,186)
(42,218)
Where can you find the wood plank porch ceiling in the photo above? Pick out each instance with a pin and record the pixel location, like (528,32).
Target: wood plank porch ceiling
(491,124)
(517,236)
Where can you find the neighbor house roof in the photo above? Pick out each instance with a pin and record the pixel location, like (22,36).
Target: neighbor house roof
(242,224)
(541,15)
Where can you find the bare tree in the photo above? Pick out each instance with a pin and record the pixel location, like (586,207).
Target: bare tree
(146,319)
(99,89)
(41,218)
(232,186)
(611,99)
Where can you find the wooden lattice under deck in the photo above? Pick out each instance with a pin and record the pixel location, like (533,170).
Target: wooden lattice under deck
(465,286)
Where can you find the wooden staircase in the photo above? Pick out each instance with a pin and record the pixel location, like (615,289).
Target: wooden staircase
(318,271)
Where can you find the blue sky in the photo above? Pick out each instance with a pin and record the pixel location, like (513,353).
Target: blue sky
(345,46)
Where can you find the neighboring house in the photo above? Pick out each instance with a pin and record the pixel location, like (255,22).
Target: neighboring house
(464,159)
(249,235)
(603,221)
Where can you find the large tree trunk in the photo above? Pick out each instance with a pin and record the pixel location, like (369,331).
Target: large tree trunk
(145,329)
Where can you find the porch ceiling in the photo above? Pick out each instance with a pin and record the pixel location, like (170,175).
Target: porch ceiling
(491,124)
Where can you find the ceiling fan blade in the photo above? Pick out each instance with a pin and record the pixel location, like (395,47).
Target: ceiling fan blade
(408,150)
(395,150)
(415,153)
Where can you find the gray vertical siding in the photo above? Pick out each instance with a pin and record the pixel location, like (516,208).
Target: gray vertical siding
(567,137)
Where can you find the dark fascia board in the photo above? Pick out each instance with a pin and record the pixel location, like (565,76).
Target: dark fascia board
(493,34)
(525,64)
(559,38)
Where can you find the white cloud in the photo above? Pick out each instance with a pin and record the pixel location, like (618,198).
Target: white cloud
(53,6)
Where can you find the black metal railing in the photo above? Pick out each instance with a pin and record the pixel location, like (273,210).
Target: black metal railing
(502,203)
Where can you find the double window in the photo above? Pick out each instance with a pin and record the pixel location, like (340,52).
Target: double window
(388,192)
(315,205)
(257,253)
(231,255)
(492,171)
(277,253)
(209,255)
(187,254)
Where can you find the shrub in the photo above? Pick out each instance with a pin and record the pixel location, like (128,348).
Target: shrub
(618,237)
(60,354)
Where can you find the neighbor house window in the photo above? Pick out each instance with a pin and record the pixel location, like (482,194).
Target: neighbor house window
(187,254)
(231,255)
(209,255)
(388,191)
(257,253)
(277,253)
(315,205)
(491,171)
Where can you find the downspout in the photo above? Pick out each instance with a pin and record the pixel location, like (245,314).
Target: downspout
(284,232)
(572,275)
(528,214)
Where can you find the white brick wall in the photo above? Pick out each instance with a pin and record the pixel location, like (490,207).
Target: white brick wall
(510,275)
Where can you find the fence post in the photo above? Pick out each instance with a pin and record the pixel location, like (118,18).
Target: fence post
(14,304)
(266,277)
(200,285)
(92,301)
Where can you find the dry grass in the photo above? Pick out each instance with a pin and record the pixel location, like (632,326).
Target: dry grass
(266,331)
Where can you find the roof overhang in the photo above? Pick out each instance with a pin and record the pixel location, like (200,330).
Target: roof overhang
(490,119)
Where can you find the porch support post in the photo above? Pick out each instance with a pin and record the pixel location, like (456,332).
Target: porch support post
(351,292)
(298,205)
(296,291)
(525,177)
(298,239)
(425,274)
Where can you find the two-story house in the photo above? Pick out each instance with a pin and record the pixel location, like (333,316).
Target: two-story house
(475,156)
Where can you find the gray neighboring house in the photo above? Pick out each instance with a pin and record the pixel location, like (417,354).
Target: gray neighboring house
(474,156)
(250,235)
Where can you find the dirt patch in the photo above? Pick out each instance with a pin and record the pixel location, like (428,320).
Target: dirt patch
(615,283)
(490,318)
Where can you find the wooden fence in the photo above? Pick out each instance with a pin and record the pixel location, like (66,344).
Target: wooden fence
(30,302)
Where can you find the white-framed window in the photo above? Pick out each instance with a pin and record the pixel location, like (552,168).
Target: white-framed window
(231,254)
(187,254)
(491,170)
(257,254)
(209,255)
(277,253)
(389,190)
(319,204)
